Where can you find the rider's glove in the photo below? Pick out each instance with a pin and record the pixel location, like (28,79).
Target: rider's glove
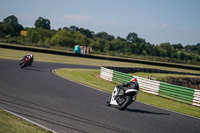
(118,86)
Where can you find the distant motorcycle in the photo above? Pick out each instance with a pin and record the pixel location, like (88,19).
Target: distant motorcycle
(122,98)
(26,61)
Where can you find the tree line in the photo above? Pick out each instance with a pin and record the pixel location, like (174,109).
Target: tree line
(101,43)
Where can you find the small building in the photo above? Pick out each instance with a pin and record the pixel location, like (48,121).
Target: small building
(77,49)
(82,50)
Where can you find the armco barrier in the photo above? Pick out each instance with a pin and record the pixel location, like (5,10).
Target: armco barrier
(174,92)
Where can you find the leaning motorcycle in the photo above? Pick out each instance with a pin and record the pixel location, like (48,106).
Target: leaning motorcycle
(25,62)
(122,98)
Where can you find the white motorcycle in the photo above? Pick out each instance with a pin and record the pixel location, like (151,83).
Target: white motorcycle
(122,98)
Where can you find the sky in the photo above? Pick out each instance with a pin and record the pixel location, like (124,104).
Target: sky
(156,21)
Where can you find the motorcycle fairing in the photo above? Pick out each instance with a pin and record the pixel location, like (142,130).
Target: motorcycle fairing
(131,90)
(113,101)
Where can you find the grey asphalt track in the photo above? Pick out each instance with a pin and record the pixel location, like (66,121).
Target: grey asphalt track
(67,107)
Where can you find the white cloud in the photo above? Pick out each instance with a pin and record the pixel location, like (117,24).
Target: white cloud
(154,25)
(186,28)
(159,26)
(164,26)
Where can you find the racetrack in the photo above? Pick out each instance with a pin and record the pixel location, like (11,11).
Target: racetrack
(67,107)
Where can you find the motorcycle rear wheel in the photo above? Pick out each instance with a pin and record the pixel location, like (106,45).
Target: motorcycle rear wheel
(125,104)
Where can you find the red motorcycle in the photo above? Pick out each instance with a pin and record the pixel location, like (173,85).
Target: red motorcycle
(25,62)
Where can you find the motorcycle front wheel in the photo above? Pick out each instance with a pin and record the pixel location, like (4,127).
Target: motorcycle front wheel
(23,64)
(108,101)
(126,102)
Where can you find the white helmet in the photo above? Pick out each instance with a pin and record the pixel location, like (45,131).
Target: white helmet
(31,55)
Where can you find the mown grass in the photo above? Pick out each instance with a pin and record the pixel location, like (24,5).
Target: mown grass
(18,54)
(91,78)
(13,124)
(88,77)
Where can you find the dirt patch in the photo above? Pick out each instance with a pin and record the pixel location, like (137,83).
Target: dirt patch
(183,81)
(97,76)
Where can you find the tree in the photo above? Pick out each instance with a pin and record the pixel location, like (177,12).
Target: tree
(120,38)
(32,36)
(108,46)
(36,35)
(44,34)
(118,45)
(188,47)
(81,39)
(87,33)
(129,48)
(62,38)
(101,44)
(6,29)
(132,37)
(105,36)
(167,49)
(198,50)
(155,51)
(178,46)
(42,23)
(73,28)
(65,28)
(11,22)
(174,55)
(181,56)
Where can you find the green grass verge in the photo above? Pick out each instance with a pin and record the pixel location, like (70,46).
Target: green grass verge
(91,78)
(18,54)
(12,124)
